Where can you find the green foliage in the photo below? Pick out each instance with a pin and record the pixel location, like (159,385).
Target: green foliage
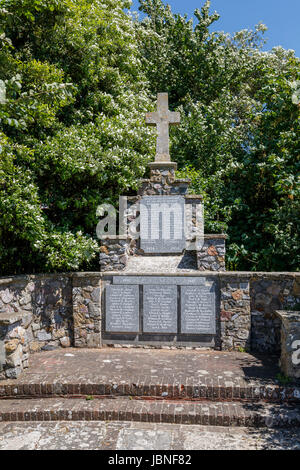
(239,136)
(72,135)
(79,75)
(283,379)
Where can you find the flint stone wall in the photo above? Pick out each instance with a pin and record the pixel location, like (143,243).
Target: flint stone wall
(35,314)
(43,312)
(162,182)
(114,253)
(211,256)
(86,311)
(270,293)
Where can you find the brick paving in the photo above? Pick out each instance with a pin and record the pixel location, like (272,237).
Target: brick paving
(125,409)
(164,374)
(151,386)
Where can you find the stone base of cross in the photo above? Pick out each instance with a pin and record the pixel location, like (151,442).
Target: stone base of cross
(162,165)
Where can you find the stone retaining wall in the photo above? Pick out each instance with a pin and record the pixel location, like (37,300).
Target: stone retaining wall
(50,311)
(36,314)
(271,292)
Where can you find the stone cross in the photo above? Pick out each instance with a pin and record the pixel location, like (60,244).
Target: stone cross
(162,118)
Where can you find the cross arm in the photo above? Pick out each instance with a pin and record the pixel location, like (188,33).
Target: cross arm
(174,118)
(152,119)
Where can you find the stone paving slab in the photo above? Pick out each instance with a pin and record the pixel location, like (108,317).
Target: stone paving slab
(93,435)
(162,264)
(125,409)
(213,375)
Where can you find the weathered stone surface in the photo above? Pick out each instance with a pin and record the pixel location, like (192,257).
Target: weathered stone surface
(186,263)
(59,333)
(15,358)
(114,254)
(235,314)
(149,436)
(11,345)
(49,347)
(32,308)
(237,295)
(163,182)
(43,335)
(2,358)
(290,343)
(65,342)
(13,372)
(86,309)
(268,296)
(211,253)
(35,346)
(162,118)
(7,296)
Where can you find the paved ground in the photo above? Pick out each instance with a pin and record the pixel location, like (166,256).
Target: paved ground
(204,413)
(148,366)
(164,374)
(140,436)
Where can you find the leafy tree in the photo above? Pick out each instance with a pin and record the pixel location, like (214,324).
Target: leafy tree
(72,135)
(76,77)
(239,137)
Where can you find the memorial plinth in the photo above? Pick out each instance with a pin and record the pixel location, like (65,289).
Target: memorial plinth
(159,297)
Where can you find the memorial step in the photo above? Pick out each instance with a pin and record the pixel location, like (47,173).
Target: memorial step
(124,409)
(236,392)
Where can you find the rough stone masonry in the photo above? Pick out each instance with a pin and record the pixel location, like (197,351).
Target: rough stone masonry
(43,312)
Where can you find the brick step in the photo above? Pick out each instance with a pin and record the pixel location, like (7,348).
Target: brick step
(125,409)
(210,391)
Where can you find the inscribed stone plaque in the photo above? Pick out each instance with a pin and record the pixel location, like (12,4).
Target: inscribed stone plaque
(162,224)
(160,309)
(158,280)
(198,312)
(122,309)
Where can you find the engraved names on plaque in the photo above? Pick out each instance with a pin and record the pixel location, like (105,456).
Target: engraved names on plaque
(160,309)
(198,309)
(122,309)
(162,222)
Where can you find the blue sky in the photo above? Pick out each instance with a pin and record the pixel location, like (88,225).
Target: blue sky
(282,17)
